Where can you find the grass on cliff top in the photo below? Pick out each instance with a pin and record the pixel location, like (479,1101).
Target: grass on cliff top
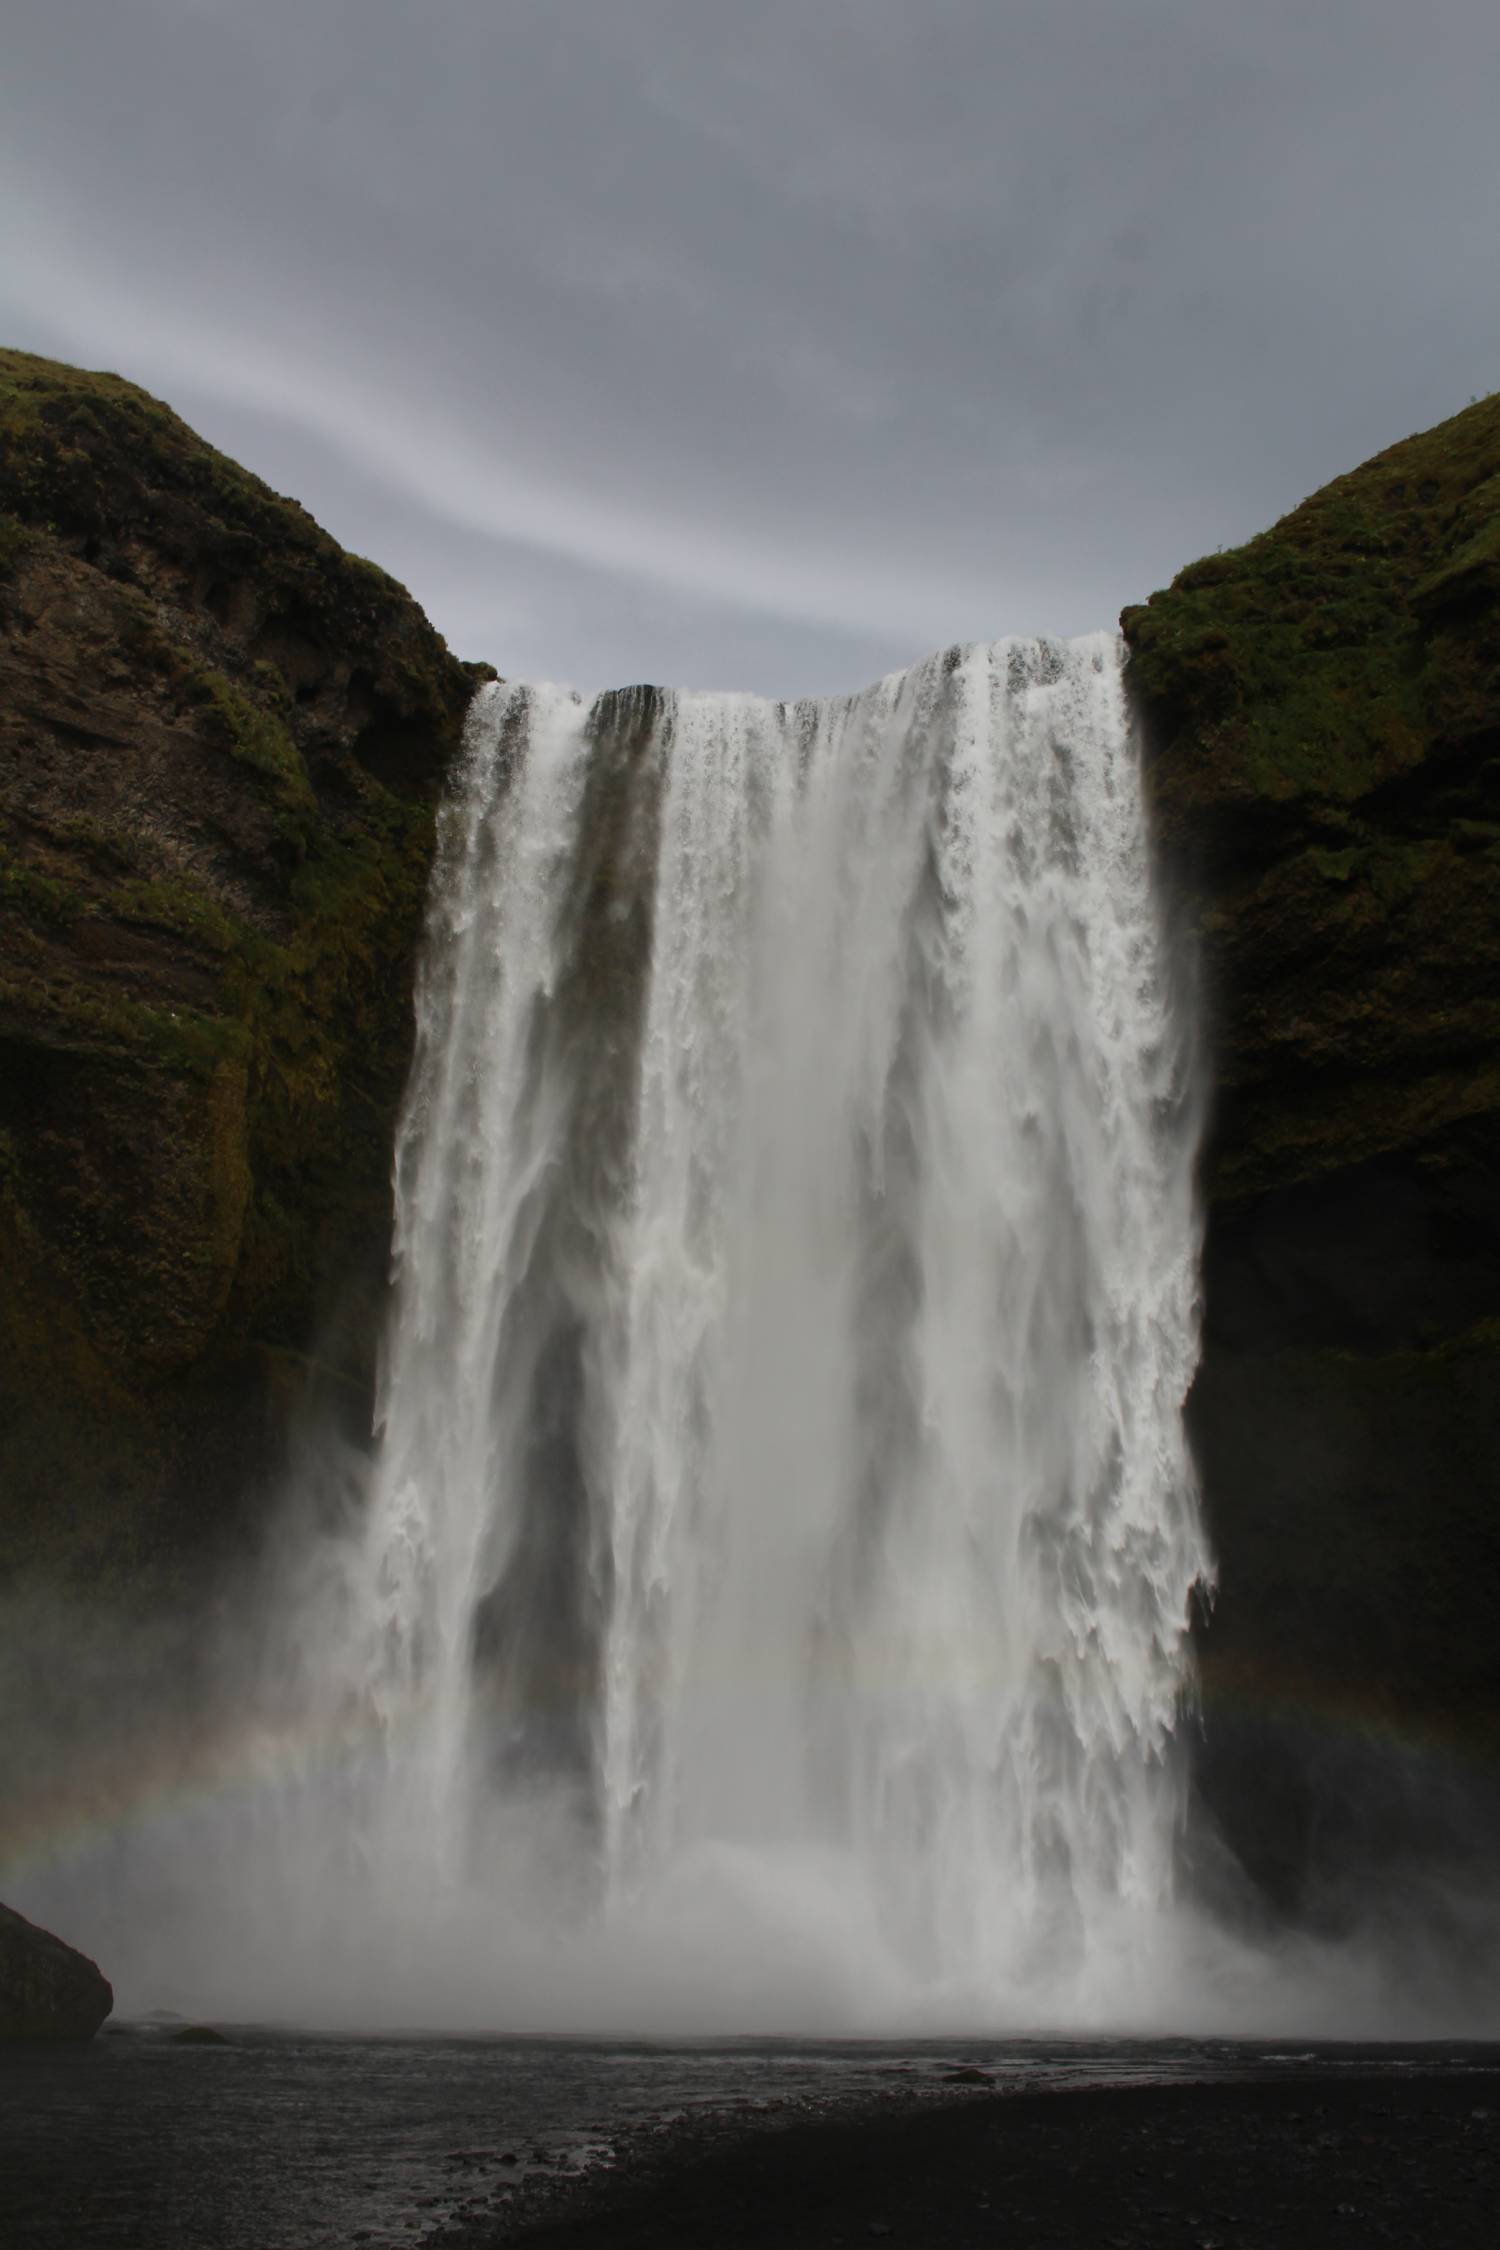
(101,465)
(80,451)
(47,408)
(1328,654)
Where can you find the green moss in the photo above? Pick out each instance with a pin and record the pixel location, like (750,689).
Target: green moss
(1304,664)
(92,843)
(182,907)
(25,890)
(269,684)
(1322,713)
(259,741)
(1470,575)
(182,1041)
(1309,1121)
(320,1010)
(101,464)
(56,420)
(191,1184)
(378,581)
(16,539)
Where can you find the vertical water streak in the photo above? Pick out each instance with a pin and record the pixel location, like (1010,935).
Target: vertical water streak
(782,1460)
(479,1133)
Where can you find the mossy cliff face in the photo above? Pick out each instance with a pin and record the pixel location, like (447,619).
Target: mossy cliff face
(221,742)
(1322,711)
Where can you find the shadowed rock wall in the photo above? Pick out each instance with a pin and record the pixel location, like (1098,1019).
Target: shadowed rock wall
(221,741)
(1323,724)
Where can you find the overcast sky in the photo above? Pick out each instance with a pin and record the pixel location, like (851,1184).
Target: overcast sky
(765,343)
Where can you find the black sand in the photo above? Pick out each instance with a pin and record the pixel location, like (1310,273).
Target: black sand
(1236,2166)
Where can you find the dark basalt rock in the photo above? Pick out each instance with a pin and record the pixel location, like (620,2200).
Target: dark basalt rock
(221,743)
(47,1990)
(1322,713)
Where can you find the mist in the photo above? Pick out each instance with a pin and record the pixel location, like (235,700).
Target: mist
(765,1605)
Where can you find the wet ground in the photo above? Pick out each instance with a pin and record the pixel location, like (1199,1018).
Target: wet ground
(1229,2164)
(277,2140)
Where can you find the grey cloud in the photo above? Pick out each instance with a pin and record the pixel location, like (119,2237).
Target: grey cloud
(675,338)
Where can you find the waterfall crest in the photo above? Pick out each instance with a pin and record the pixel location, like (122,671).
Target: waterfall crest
(781,1468)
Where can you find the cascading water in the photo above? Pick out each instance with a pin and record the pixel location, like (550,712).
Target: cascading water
(782,1486)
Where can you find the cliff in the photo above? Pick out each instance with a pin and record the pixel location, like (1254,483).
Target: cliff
(221,742)
(1322,711)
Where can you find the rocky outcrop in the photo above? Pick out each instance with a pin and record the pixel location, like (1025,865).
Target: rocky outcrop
(47,1991)
(1323,723)
(221,741)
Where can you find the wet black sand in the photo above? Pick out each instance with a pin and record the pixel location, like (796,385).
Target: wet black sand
(282,2140)
(1241,2166)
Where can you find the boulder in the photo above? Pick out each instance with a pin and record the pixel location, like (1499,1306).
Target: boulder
(47,1989)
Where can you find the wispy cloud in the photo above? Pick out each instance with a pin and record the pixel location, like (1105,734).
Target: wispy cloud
(684,329)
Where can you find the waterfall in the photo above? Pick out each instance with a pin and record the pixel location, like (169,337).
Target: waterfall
(781,1457)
